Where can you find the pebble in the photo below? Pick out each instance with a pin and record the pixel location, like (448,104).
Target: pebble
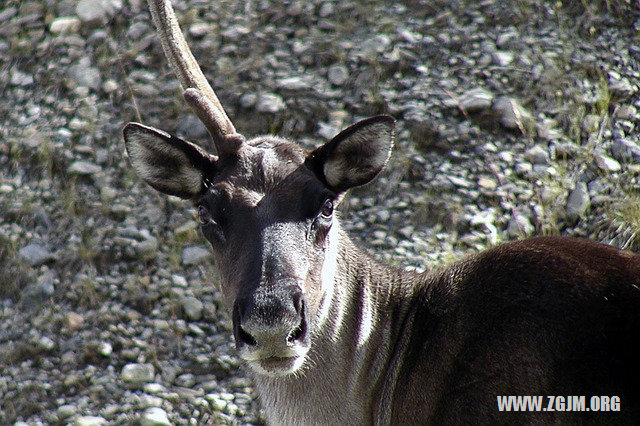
(293,83)
(35,254)
(520,226)
(84,168)
(89,421)
(606,163)
(193,255)
(537,155)
(96,12)
(622,89)
(65,25)
(338,74)
(154,388)
(502,58)
(154,416)
(487,183)
(186,380)
(578,201)
(84,74)
(511,114)
(105,349)
(190,127)
(147,248)
(475,100)
(138,373)
(270,103)
(193,308)
(34,294)
(625,150)
(19,78)
(73,321)
(66,411)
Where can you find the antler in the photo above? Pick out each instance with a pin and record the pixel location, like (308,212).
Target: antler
(197,91)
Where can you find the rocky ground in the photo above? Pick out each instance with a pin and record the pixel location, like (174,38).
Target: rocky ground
(515,118)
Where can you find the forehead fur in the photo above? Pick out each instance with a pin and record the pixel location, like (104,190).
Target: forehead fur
(265,162)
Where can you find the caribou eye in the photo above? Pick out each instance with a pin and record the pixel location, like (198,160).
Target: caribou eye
(204,217)
(327,209)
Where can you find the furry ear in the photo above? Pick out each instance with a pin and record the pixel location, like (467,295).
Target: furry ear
(356,155)
(169,164)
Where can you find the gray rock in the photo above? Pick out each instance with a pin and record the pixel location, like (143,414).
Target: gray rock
(199,29)
(627,112)
(138,30)
(154,416)
(625,150)
(192,308)
(235,32)
(523,169)
(105,349)
(293,83)
(186,380)
(606,163)
(84,75)
(65,25)
(537,155)
(520,226)
(502,58)
(89,421)
(34,294)
(84,168)
(338,74)
(193,255)
(475,100)
(511,114)
(190,127)
(248,100)
(97,12)
(35,254)
(66,411)
(147,249)
(621,89)
(578,201)
(19,78)
(138,373)
(270,102)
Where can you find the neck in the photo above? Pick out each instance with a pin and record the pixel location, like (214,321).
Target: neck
(352,346)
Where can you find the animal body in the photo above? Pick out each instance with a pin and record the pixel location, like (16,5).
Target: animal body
(332,336)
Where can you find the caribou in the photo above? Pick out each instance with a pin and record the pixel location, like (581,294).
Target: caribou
(331,335)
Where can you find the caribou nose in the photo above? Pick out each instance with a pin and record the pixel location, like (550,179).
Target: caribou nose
(271,319)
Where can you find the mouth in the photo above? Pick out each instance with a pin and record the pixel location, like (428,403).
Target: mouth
(276,366)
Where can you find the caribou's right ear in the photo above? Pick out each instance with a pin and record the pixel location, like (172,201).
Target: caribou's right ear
(169,164)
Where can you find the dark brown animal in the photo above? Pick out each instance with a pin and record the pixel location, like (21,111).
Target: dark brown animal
(332,336)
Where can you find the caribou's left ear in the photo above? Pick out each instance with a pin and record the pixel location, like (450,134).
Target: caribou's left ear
(169,164)
(356,155)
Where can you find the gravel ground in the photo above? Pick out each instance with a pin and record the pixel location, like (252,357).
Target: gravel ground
(515,118)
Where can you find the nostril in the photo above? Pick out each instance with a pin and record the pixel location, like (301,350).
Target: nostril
(246,337)
(299,332)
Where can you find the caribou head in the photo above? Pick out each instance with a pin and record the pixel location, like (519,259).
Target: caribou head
(265,205)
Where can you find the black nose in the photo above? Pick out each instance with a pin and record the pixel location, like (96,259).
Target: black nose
(272,317)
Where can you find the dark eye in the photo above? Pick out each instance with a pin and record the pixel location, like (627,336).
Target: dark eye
(204,217)
(327,209)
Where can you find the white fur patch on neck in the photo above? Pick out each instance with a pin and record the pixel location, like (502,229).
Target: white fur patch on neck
(328,274)
(366,320)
